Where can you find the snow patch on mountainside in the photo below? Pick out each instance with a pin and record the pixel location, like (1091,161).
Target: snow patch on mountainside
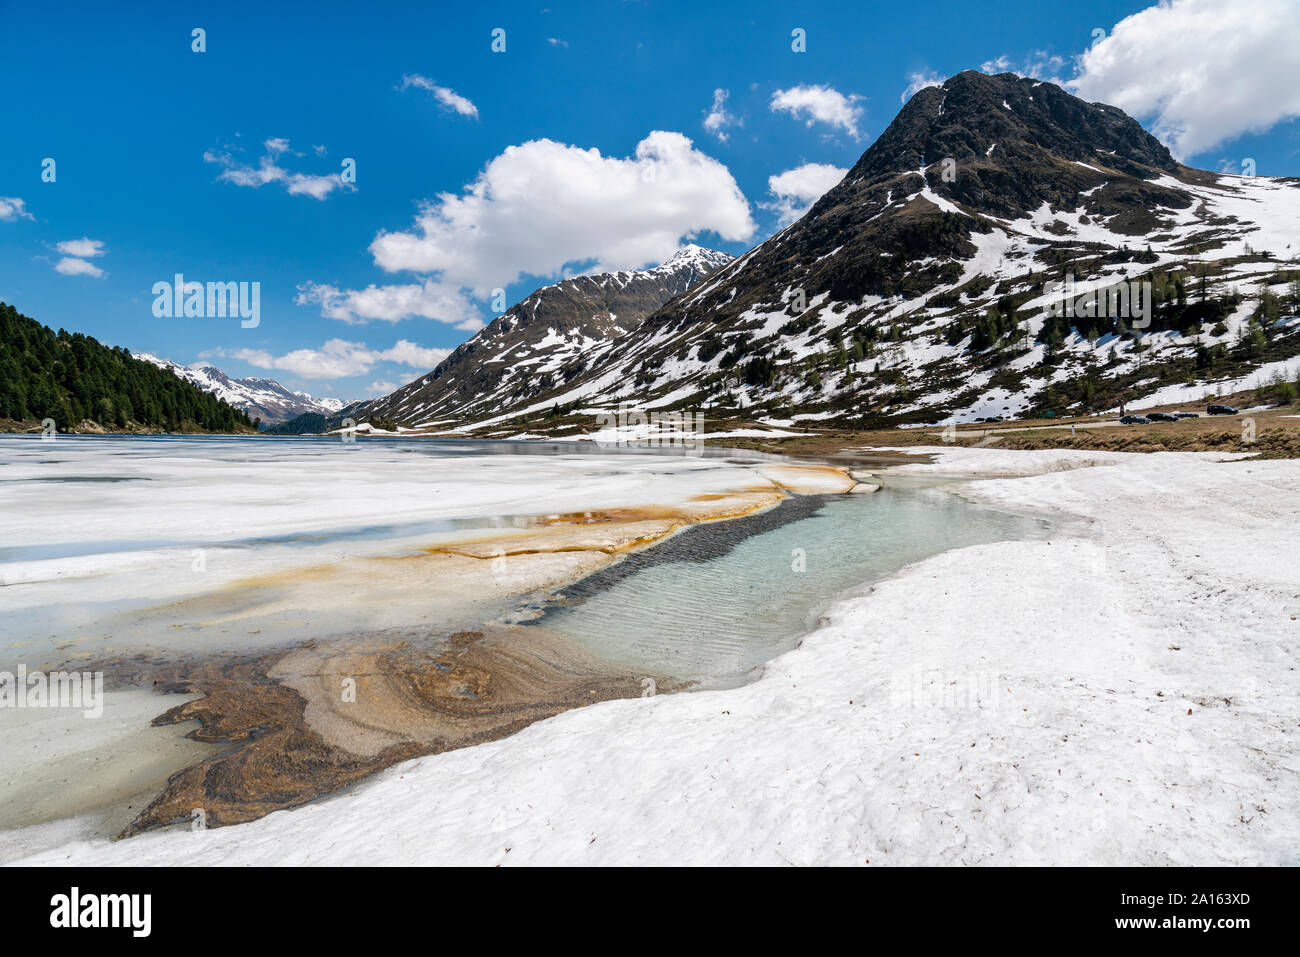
(530,345)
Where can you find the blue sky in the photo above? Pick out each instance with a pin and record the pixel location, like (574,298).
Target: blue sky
(155,146)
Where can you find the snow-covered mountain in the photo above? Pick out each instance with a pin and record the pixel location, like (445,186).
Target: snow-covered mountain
(260,398)
(929,286)
(542,342)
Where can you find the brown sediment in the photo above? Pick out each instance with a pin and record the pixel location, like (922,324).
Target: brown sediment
(607,531)
(613,531)
(322,716)
(822,479)
(1277,435)
(439,581)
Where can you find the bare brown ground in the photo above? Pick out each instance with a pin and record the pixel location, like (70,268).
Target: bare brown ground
(1276,434)
(318,718)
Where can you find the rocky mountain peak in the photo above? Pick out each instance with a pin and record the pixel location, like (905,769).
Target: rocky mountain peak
(921,287)
(546,338)
(973,116)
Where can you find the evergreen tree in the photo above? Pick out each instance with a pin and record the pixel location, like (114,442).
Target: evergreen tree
(69,377)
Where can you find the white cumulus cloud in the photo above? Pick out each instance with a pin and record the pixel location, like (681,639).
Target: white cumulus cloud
(820,104)
(77,254)
(718,119)
(1039,65)
(337,358)
(72,266)
(1205,71)
(919,81)
(12,208)
(268,170)
(83,248)
(797,189)
(447,97)
(429,300)
(409,354)
(541,206)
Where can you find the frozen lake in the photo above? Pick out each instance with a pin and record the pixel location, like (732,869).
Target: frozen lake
(108,541)
(116,544)
(180,549)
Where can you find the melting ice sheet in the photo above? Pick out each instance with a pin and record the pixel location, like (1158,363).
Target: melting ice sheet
(112,544)
(189,546)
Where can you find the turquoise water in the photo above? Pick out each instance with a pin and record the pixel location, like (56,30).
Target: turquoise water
(715,602)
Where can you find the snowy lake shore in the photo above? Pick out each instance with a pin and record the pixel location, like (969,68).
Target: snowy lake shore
(1123,693)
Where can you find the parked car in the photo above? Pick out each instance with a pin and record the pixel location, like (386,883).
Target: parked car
(1161,417)
(1134,419)
(1187,415)
(1221,410)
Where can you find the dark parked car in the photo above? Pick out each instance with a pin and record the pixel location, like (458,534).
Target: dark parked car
(1221,410)
(1161,417)
(1134,420)
(1187,415)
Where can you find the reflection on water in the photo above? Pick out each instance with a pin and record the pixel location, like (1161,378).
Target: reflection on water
(715,602)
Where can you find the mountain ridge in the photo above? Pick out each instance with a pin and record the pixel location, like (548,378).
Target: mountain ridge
(920,289)
(553,327)
(258,396)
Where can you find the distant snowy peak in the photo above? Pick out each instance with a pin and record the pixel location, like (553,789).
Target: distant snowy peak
(692,257)
(679,272)
(327,405)
(259,397)
(555,327)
